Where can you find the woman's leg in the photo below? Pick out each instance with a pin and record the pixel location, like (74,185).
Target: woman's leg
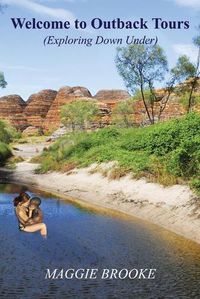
(36,227)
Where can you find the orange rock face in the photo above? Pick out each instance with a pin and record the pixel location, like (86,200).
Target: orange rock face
(42,110)
(11,109)
(173,110)
(65,95)
(38,106)
(106,100)
(112,97)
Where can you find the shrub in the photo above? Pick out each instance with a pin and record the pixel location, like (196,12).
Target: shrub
(5,152)
(195,184)
(185,160)
(80,113)
(166,152)
(7,132)
(122,114)
(107,133)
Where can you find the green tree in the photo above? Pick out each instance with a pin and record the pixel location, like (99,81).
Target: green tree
(185,69)
(122,114)
(196,73)
(3,82)
(80,113)
(140,67)
(181,71)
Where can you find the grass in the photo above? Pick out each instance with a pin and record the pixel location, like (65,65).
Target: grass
(5,153)
(7,135)
(11,162)
(31,139)
(166,153)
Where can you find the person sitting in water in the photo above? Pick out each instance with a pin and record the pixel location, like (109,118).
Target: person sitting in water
(26,223)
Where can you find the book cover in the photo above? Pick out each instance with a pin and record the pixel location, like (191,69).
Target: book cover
(99,149)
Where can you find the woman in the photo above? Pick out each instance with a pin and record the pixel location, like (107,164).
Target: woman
(26,222)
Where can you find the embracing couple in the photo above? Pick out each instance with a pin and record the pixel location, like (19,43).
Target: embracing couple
(29,214)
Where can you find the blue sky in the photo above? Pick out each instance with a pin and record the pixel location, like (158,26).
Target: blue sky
(29,66)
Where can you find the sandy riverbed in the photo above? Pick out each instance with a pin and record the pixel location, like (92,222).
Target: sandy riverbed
(175,208)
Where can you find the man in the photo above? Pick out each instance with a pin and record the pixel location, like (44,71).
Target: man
(35,213)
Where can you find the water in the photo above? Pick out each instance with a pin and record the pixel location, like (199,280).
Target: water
(79,238)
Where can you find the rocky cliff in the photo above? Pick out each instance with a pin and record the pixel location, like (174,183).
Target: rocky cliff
(106,100)
(175,106)
(38,106)
(111,97)
(42,110)
(65,95)
(12,109)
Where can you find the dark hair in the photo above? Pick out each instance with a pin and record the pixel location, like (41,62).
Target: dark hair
(16,201)
(35,200)
(25,196)
(22,197)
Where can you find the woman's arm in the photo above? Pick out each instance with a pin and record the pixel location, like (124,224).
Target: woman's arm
(30,212)
(30,215)
(22,216)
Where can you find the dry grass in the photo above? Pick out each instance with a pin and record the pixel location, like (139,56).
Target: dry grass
(68,167)
(11,163)
(36,159)
(116,173)
(112,172)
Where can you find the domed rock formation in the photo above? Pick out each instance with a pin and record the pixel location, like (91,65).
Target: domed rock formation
(111,97)
(65,95)
(38,106)
(11,109)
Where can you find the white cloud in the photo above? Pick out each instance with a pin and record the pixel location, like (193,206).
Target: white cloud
(186,49)
(188,3)
(41,9)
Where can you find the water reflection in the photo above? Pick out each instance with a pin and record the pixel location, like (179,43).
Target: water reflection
(81,238)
